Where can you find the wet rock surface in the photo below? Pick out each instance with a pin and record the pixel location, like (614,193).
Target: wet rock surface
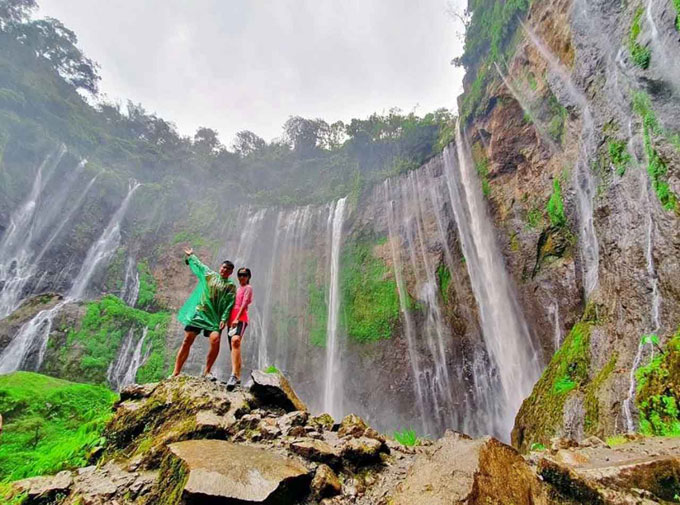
(189,441)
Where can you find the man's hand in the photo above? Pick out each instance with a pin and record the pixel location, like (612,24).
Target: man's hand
(222,325)
(189,251)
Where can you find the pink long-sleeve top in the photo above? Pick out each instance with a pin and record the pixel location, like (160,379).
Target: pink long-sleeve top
(244,297)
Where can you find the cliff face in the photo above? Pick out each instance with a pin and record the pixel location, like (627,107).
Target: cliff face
(546,236)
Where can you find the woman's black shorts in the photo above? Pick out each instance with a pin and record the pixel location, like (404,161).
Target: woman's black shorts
(198,331)
(240,330)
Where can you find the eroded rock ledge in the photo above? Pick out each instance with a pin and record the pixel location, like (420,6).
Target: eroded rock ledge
(190,441)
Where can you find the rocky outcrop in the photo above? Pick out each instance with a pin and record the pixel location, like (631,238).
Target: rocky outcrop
(189,441)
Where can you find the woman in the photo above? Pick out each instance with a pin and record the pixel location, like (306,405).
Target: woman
(238,322)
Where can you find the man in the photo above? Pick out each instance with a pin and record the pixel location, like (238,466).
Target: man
(207,310)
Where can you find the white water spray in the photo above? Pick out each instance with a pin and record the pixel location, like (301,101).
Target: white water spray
(331,402)
(506,336)
(124,370)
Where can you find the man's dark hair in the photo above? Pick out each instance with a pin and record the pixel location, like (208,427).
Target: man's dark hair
(228,263)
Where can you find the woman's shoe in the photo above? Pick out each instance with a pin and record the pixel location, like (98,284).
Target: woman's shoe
(233,382)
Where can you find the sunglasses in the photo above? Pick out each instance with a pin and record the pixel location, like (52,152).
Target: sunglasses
(243,274)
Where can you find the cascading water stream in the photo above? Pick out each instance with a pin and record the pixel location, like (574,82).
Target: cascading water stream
(584,182)
(655,323)
(333,381)
(663,60)
(130,291)
(124,370)
(506,336)
(33,335)
(554,312)
(16,252)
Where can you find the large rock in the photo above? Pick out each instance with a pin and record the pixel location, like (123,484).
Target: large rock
(221,472)
(316,450)
(458,470)
(45,488)
(645,469)
(325,483)
(275,390)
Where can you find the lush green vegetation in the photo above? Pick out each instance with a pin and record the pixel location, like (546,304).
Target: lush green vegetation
(101,332)
(676,4)
(407,438)
(444,280)
(617,440)
(619,156)
(641,55)
(147,286)
(555,206)
(50,424)
(488,36)
(271,369)
(656,166)
(537,447)
(482,168)
(318,311)
(313,161)
(370,299)
(541,414)
(658,392)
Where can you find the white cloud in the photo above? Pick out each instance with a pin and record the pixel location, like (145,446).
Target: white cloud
(237,64)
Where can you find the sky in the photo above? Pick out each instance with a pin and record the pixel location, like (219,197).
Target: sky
(236,65)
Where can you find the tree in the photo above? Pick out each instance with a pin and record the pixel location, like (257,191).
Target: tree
(206,140)
(51,40)
(305,135)
(13,12)
(247,143)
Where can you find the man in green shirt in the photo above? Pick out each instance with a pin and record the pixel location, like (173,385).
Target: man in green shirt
(207,309)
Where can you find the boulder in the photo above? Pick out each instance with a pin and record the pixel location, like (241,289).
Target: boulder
(274,389)
(325,483)
(291,420)
(224,472)
(361,450)
(352,425)
(457,470)
(137,391)
(601,474)
(323,422)
(316,450)
(46,487)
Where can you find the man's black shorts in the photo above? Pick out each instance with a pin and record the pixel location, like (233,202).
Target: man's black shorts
(198,331)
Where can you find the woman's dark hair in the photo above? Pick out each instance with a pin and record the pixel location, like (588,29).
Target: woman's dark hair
(244,271)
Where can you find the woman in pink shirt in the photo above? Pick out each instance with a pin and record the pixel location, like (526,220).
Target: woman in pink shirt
(238,322)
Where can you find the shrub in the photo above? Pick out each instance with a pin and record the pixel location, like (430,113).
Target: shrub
(407,438)
(618,155)
(271,369)
(555,207)
(640,54)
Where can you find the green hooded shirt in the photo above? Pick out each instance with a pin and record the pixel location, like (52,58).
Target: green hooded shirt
(211,301)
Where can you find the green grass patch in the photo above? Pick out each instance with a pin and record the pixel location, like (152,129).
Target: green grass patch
(656,167)
(483,171)
(102,330)
(534,218)
(537,447)
(641,55)
(370,300)
(676,4)
(616,440)
(271,369)
(407,438)
(619,156)
(555,206)
(444,280)
(49,424)
(147,286)
(658,391)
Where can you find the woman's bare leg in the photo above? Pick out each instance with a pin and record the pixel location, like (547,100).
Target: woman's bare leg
(236,356)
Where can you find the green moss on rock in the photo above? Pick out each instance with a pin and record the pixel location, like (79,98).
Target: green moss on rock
(658,392)
(169,487)
(592,401)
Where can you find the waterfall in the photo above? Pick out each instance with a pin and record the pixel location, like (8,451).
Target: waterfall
(663,59)
(34,335)
(103,249)
(584,182)
(554,312)
(506,336)
(653,279)
(124,370)
(333,381)
(16,251)
(130,291)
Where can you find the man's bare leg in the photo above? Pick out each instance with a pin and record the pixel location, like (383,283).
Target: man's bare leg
(236,356)
(213,352)
(183,354)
